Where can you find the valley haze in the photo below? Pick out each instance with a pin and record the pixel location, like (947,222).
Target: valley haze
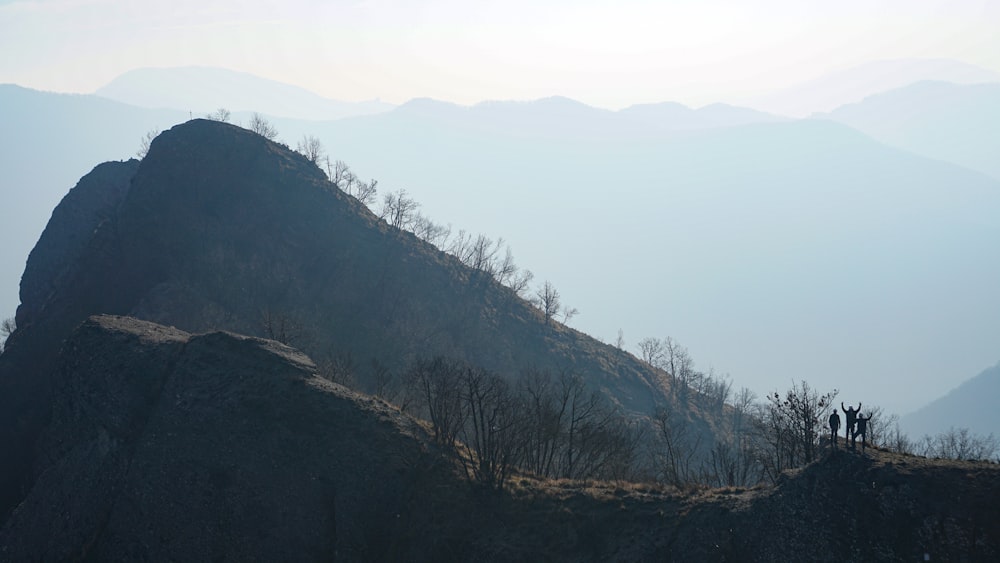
(774,249)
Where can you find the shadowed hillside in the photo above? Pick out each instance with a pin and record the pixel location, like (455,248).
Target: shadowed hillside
(167,446)
(222,229)
(773,251)
(164,445)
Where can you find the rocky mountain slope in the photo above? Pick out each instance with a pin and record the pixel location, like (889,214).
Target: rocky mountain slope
(221,229)
(971,405)
(773,251)
(76,132)
(166,445)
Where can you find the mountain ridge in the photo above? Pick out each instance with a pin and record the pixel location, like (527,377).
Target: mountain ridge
(205,89)
(956,123)
(853,84)
(970,405)
(169,445)
(223,229)
(682,174)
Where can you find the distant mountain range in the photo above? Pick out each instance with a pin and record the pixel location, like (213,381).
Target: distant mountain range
(564,118)
(200,90)
(957,123)
(658,219)
(851,85)
(855,255)
(971,405)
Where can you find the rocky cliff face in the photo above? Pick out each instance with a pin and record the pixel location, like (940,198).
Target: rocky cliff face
(93,201)
(167,446)
(217,229)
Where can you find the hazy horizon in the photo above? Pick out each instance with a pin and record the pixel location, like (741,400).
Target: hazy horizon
(608,55)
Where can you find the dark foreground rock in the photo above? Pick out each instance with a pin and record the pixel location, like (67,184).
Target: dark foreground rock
(166,446)
(220,447)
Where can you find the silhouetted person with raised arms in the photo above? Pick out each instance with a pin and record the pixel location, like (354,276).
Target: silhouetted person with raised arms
(850,414)
(834,427)
(862,429)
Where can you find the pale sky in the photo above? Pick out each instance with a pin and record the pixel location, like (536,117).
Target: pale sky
(607,54)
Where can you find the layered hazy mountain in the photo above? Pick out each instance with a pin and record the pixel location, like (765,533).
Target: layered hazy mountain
(203,89)
(957,123)
(851,85)
(775,250)
(971,405)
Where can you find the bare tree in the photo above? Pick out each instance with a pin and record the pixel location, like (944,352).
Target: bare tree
(880,425)
(547,299)
(399,210)
(342,177)
(568,313)
(263,127)
(651,352)
(733,462)
(339,368)
(7,327)
(366,191)
(717,388)
(680,443)
(280,327)
(521,282)
(743,407)
(490,434)
(383,381)
(436,386)
(221,114)
(896,440)
(311,148)
(792,425)
(483,254)
(608,446)
(506,270)
(960,443)
(620,340)
(583,414)
(679,364)
(431,232)
(543,419)
(145,143)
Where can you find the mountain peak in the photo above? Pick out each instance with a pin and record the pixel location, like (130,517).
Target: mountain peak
(204,89)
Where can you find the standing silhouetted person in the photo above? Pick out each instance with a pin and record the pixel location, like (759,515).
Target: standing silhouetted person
(862,429)
(834,427)
(851,415)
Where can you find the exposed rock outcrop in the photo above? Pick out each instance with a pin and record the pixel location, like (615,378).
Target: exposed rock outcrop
(94,200)
(219,229)
(167,446)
